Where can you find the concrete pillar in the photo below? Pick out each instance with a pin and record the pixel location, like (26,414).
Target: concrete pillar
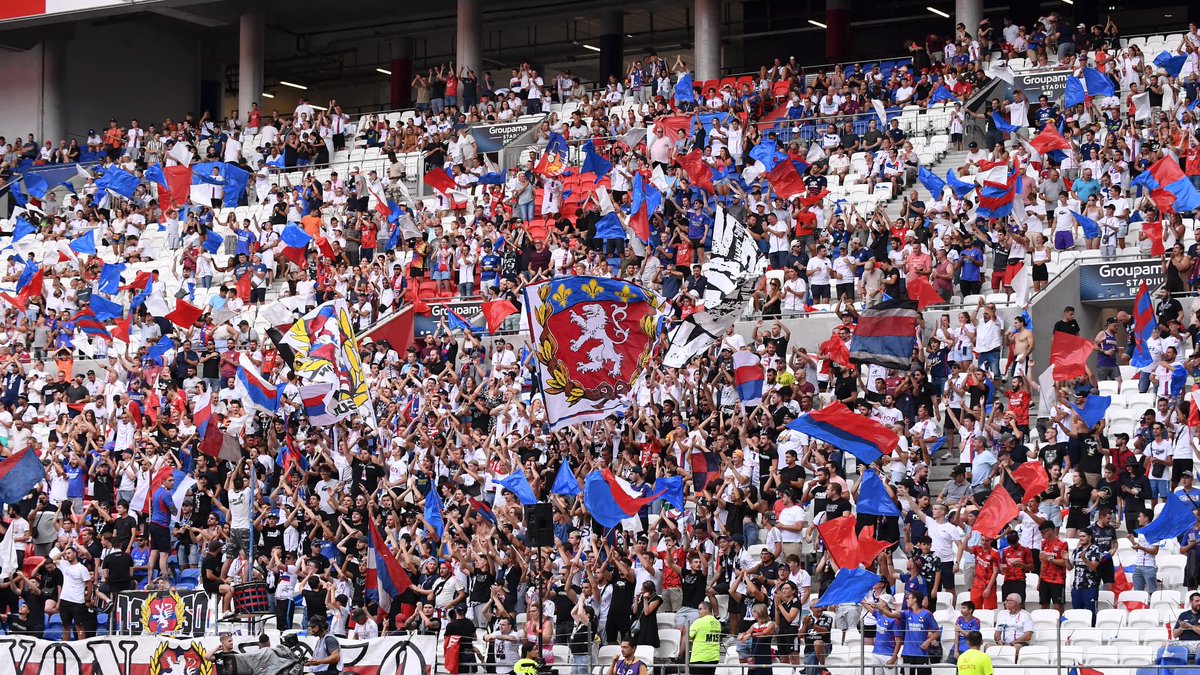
(467,40)
(612,45)
(708,40)
(837,35)
(969,13)
(251,38)
(53,113)
(402,73)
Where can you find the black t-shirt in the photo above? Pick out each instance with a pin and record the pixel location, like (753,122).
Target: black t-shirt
(366,477)
(122,529)
(314,601)
(211,564)
(102,488)
(695,588)
(119,566)
(1070,327)
(464,628)
(481,585)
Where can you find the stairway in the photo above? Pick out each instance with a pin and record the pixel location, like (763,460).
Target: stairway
(951,160)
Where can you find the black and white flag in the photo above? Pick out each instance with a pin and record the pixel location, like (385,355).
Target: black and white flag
(731,274)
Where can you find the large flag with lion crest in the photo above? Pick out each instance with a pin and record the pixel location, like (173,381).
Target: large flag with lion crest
(592,338)
(324,353)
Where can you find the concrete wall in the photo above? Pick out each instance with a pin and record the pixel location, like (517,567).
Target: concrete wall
(148,69)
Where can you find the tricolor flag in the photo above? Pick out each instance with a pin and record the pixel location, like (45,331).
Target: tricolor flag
(86,321)
(886,334)
(262,394)
(1145,325)
(1169,187)
(390,578)
(748,377)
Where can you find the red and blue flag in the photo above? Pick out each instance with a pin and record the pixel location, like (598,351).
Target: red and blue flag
(1145,325)
(837,425)
(1169,187)
(748,378)
(390,578)
(996,201)
(19,473)
(886,334)
(87,322)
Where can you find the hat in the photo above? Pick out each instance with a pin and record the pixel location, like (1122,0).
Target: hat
(1186,474)
(1008,438)
(1110,321)
(972,144)
(1082,25)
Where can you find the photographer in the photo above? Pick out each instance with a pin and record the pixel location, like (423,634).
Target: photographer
(327,654)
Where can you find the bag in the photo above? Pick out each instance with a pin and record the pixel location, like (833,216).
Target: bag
(635,627)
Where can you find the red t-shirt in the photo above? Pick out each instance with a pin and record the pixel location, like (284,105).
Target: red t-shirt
(1011,558)
(986,562)
(1053,574)
(1018,402)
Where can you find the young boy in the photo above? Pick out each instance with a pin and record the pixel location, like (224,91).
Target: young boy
(963,626)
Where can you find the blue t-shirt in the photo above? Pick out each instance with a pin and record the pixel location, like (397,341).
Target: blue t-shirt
(75,476)
(141,557)
(160,511)
(916,630)
(245,238)
(972,261)
(696,224)
(967,625)
(887,630)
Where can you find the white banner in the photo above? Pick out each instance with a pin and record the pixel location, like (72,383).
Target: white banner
(731,274)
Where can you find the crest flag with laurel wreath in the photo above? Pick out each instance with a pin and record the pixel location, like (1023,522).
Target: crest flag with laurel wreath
(592,338)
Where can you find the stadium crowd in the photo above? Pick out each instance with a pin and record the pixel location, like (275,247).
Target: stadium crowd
(456,412)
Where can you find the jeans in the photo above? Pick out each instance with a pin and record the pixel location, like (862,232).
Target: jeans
(1145,578)
(991,361)
(525,211)
(1085,598)
(1143,382)
(750,533)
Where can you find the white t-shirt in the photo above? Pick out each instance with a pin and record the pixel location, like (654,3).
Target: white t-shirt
(818,271)
(793,515)
(1012,626)
(944,535)
(75,578)
(239,509)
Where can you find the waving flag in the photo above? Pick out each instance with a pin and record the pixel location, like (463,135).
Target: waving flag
(119,181)
(698,171)
(565,483)
(433,512)
(483,510)
(837,425)
(439,180)
(886,334)
(1074,94)
(873,498)
(942,94)
(748,377)
(1098,84)
(1091,229)
(1069,355)
(160,349)
(849,587)
(931,182)
(202,413)
(20,473)
(609,228)
(1175,518)
(923,293)
(768,154)
(105,310)
(608,502)
(86,321)
(1145,325)
(1003,124)
(495,312)
(997,201)
(961,188)
(998,511)
(844,545)
(1169,187)
(1153,232)
(785,180)
(592,338)
(1031,476)
(261,393)
(22,229)
(1093,410)
(1171,63)
(391,581)
(213,242)
(518,484)
(84,244)
(1048,140)
(593,162)
(685,91)
(672,489)
(110,278)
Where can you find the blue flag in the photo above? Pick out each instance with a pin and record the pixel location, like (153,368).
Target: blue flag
(1003,124)
(294,236)
(105,310)
(609,227)
(157,352)
(674,490)
(17,195)
(1074,94)
(961,188)
(873,499)
(110,278)
(20,473)
(22,229)
(942,94)
(1091,229)
(768,154)
(1175,519)
(556,144)
(433,512)
(684,91)
(27,274)
(213,242)
(119,181)
(1097,82)
(1165,60)
(492,178)
(393,240)
(593,162)
(518,484)
(849,587)
(155,174)
(565,483)
(84,244)
(1093,410)
(235,184)
(36,186)
(929,179)
(599,502)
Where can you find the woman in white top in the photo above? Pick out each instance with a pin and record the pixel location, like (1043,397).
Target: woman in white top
(736,140)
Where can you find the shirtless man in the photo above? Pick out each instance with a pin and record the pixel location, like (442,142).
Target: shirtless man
(1022,343)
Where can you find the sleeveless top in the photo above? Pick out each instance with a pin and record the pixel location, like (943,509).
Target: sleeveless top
(628,668)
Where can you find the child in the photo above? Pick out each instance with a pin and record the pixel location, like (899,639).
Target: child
(931,565)
(963,625)
(914,581)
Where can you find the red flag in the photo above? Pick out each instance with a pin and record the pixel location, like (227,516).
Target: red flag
(17,302)
(211,443)
(32,289)
(439,180)
(869,547)
(1121,584)
(1049,139)
(835,350)
(785,180)
(640,223)
(841,542)
(186,314)
(139,281)
(923,292)
(1193,411)
(1032,476)
(397,330)
(153,407)
(243,287)
(179,185)
(451,659)
(697,170)
(496,312)
(809,200)
(325,248)
(121,332)
(622,499)
(674,124)
(999,510)
(1069,355)
(1153,231)
(1011,272)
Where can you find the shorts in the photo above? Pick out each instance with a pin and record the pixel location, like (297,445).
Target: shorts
(869,630)
(1064,240)
(686,616)
(1015,586)
(1049,593)
(160,538)
(983,601)
(956,138)
(1108,373)
(1160,488)
(785,644)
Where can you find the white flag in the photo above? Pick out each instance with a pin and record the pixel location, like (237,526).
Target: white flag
(996,174)
(753,171)
(1020,285)
(659,179)
(603,200)
(815,153)
(1046,391)
(1001,70)
(1141,106)
(181,153)
(881,112)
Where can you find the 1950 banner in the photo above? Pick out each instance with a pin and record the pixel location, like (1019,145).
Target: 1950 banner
(145,655)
